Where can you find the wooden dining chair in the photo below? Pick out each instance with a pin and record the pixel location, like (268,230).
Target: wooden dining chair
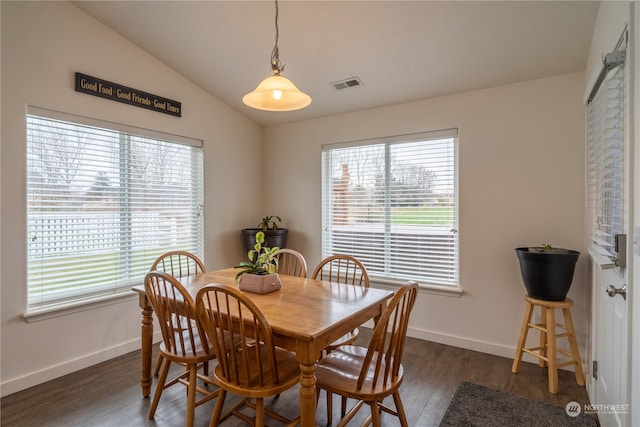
(348,270)
(291,263)
(249,363)
(371,374)
(183,341)
(177,264)
(342,269)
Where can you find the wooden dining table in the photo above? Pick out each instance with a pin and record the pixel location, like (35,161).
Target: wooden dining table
(306,315)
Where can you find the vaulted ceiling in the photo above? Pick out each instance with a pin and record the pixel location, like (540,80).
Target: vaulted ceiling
(399,50)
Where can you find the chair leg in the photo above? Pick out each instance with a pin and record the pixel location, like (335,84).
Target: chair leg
(352,412)
(343,407)
(159,388)
(158,365)
(259,412)
(217,412)
(400,409)
(375,414)
(191,394)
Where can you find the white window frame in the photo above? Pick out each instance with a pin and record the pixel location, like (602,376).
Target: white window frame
(137,257)
(378,265)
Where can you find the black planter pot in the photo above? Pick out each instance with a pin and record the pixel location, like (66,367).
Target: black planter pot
(547,274)
(277,237)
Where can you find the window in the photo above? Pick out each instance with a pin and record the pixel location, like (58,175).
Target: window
(103,201)
(605,168)
(392,203)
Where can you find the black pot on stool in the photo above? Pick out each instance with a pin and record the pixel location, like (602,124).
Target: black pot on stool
(547,272)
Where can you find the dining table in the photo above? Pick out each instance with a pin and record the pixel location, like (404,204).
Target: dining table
(306,315)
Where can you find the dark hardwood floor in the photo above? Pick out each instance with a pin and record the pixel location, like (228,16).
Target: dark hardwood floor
(108,394)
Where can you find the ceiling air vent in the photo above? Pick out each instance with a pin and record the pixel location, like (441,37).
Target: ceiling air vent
(347,83)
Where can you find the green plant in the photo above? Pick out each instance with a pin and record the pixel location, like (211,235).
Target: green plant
(269,222)
(549,249)
(262,259)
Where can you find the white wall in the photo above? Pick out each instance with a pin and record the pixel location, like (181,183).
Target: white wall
(43,45)
(521,183)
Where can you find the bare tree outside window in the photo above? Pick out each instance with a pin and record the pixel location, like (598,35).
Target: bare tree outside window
(103,203)
(57,155)
(393,205)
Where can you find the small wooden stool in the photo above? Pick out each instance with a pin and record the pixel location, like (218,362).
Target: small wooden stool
(547,350)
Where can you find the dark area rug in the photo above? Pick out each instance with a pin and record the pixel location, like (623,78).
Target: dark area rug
(479,406)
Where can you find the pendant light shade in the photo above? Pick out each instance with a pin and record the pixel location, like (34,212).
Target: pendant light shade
(276,93)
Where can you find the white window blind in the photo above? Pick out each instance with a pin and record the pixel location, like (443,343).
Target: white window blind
(393,204)
(103,201)
(605,166)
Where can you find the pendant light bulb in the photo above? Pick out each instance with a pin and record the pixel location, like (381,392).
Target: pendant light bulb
(277,93)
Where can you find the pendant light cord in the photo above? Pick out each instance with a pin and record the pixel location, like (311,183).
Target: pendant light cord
(275,54)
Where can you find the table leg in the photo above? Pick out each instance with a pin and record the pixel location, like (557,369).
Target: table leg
(307,394)
(146,338)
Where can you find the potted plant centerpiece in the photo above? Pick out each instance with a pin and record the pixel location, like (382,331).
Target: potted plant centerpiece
(547,272)
(258,275)
(273,234)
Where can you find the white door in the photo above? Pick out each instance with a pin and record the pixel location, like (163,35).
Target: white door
(609,200)
(611,349)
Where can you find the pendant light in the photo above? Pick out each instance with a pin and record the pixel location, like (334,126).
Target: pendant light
(276,93)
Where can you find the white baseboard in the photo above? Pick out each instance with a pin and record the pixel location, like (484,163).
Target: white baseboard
(463,342)
(501,350)
(457,341)
(31,379)
(507,351)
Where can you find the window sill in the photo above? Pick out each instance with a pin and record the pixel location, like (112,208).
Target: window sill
(604,262)
(63,309)
(393,285)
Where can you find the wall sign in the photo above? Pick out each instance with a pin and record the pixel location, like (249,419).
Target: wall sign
(115,92)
